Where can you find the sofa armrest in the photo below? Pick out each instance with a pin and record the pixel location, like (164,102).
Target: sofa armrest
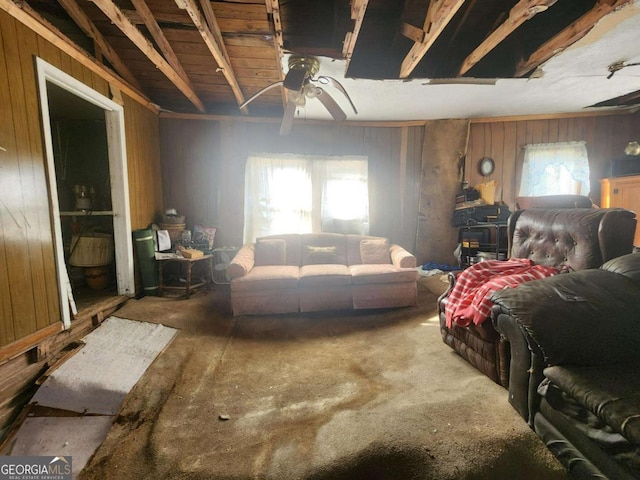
(581,318)
(401,258)
(243,261)
(526,363)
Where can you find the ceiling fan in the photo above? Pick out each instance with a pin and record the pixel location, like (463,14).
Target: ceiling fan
(617,66)
(300,84)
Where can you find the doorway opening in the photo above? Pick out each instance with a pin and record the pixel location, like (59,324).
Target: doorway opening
(88,188)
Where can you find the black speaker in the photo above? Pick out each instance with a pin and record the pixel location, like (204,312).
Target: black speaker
(625,166)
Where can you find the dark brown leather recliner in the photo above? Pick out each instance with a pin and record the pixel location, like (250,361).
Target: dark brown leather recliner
(575,364)
(579,238)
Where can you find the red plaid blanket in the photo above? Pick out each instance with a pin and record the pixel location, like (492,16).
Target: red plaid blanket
(469,300)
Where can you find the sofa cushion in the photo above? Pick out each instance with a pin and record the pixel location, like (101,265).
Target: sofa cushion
(267,278)
(610,392)
(324,275)
(374,251)
(270,251)
(381,273)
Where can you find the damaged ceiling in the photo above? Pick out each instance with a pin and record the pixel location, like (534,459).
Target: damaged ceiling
(398,60)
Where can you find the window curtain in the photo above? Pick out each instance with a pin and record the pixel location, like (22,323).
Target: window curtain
(303,194)
(343,203)
(555,168)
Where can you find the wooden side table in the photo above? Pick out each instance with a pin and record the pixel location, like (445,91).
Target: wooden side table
(188,264)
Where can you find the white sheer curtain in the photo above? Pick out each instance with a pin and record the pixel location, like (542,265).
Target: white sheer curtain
(555,168)
(344,198)
(304,193)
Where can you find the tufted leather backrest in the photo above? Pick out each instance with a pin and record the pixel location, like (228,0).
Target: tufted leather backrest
(579,238)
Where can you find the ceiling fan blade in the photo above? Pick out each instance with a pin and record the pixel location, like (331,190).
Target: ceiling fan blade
(294,80)
(335,83)
(260,92)
(287,119)
(330,104)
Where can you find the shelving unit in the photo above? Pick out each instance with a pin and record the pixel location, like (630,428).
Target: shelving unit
(483,237)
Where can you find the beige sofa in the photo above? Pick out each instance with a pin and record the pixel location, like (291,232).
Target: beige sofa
(321,271)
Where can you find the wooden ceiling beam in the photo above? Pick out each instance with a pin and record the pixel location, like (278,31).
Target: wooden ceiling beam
(113,12)
(158,35)
(88,27)
(358,9)
(273,9)
(24,14)
(521,12)
(214,27)
(569,35)
(215,49)
(439,14)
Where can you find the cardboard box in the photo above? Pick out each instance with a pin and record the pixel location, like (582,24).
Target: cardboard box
(192,253)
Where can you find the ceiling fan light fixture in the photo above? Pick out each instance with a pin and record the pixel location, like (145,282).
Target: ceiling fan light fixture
(310,91)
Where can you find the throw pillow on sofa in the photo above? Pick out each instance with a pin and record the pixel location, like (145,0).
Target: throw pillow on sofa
(272,251)
(320,255)
(374,250)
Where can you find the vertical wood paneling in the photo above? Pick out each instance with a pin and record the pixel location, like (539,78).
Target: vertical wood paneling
(509,161)
(19,264)
(144,167)
(7,195)
(36,206)
(605,136)
(28,280)
(201,158)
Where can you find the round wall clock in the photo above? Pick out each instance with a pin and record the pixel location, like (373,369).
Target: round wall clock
(486,166)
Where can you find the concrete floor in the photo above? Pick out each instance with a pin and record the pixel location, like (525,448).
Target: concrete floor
(346,395)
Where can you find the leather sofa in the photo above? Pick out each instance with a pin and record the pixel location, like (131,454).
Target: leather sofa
(321,271)
(575,369)
(577,238)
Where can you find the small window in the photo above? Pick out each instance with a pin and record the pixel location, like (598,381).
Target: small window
(555,168)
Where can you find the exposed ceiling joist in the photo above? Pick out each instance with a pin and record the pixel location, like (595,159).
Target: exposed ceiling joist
(212,23)
(273,9)
(358,9)
(571,34)
(214,47)
(24,14)
(88,27)
(119,19)
(438,16)
(521,12)
(157,34)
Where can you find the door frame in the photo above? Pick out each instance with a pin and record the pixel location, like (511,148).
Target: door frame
(114,119)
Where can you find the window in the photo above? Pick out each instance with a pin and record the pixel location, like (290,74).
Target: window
(304,193)
(555,168)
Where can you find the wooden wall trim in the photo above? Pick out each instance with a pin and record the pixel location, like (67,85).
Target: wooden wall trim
(394,123)
(232,118)
(27,343)
(40,26)
(551,116)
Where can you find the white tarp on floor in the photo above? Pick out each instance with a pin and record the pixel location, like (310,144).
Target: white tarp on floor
(98,378)
(95,381)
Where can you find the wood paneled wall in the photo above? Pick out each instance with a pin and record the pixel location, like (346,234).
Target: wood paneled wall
(203,166)
(605,137)
(203,169)
(28,283)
